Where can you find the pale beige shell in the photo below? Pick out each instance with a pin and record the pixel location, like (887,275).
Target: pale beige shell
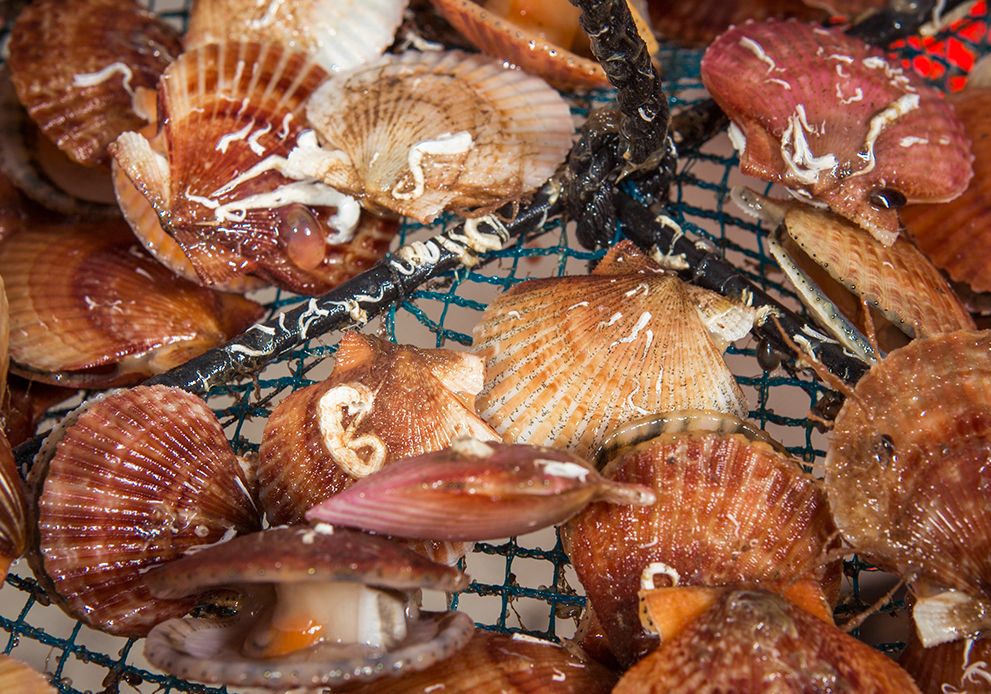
(128,482)
(339,34)
(419,133)
(728,510)
(19,677)
(558,353)
(383,402)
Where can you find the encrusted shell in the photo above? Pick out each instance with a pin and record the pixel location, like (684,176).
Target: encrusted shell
(127,482)
(908,479)
(383,402)
(89,306)
(751,642)
(419,133)
(728,510)
(529,48)
(105,50)
(339,34)
(956,667)
(558,350)
(232,212)
(954,235)
(494,663)
(838,122)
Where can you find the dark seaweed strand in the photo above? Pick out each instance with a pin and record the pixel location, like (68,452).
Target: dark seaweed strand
(706,269)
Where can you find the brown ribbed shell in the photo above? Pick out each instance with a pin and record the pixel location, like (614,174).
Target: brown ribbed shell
(89,306)
(728,510)
(56,42)
(406,401)
(958,666)
(13,512)
(754,642)
(135,480)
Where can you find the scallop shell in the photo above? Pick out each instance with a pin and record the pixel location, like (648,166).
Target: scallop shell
(698,22)
(906,470)
(16,676)
(232,212)
(528,48)
(494,663)
(557,353)
(13,512)
(419,133)
(106,49)
(953,235)
(728,510)
(839,121)
(129,482)
(383,402)
(340,35)
(88,306)
(752,642)
(960,666)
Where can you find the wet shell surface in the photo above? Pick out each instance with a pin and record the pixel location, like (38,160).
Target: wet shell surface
(127,482)
(383,402)
(953,235)
(949,668)
(728,510)
(89,307)
(231,212)
(13,509)
(106,49)
(525,46)
(342,611)
(751,642)
(494,663)
(340,35)
(840,123)
(908,480)
(419,133)
(699,22)
(557,354)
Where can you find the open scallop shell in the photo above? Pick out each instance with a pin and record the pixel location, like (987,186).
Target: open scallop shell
(558,352)
(230,212)
(419,133)
(105,50)
(89,306)
(383,402)
(339,34)
(839,121)
(908,480)
(127,482)
(728,510)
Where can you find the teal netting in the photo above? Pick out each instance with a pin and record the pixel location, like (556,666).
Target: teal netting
(524,584)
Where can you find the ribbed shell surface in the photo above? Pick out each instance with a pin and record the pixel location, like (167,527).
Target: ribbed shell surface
(105,49)
(137,479)
(13,511)
(907,470)
(728,510)
(387,118)
(958,666)
(569,359)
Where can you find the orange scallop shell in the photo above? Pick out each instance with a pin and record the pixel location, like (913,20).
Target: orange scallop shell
(959,666)
(728,510)
(126,483)
(112,46)
(19,677)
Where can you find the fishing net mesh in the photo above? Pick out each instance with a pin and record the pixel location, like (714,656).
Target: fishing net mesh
(523,584)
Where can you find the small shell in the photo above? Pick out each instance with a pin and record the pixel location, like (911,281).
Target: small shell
(106,49)
(907,475)
(88,306)
(318,576)
(528,48)
(728,510)
(474,491)
(839,122)
(751,642)
(341,35)
(557,354)
(13,512)
(954,235)
(960,666)
(19,677)
(419,133)
(494,663)
(128,482)
(383,402)
(232,212)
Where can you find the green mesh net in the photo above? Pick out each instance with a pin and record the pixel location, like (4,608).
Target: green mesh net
(523,584)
